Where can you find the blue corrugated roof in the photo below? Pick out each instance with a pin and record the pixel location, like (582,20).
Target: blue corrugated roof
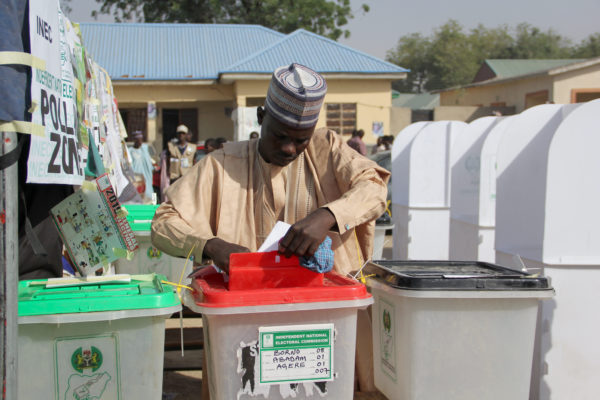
(317,52)
(172,51)
(204,51)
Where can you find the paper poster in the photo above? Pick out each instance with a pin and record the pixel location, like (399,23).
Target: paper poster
(151,110)
(77,52)
(91,227)
(54,158)
(245,121)
(378,128)
(109,128)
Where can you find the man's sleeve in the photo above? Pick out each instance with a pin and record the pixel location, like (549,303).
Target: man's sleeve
(185,223)
(362,182)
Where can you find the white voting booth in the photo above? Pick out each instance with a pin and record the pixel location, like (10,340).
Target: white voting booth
(421,190)
(473,190)
(400,183)
(548,214)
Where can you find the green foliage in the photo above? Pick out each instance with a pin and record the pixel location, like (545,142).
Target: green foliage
(588,48)
(412,52)
(531,43)
(324,17)
(451,57)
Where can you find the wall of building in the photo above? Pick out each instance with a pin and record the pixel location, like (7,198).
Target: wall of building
(215,102)
(248,89)
(373,103)
(372,97)
(400,118)
(142,92)
(214,120)
(511,93)
(211,100)
(582,79)
(467,113)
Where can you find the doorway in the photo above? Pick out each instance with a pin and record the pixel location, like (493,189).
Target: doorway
(171,118)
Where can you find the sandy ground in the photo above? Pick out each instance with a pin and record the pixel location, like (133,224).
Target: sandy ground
(186,384)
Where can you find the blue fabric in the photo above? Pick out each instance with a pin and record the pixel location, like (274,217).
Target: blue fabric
(14,31)
(322,260)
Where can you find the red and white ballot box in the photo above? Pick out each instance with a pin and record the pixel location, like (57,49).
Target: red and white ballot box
(278,330)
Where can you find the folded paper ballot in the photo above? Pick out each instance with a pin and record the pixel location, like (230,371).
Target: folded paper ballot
(271,243)
(321,262)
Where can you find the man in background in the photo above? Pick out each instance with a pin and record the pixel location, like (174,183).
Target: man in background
(142,164)
(180,155)
(356,142)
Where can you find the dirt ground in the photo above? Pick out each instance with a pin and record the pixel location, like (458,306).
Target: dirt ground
(186,385)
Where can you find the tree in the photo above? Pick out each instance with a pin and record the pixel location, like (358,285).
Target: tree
(588,48)
(452,60)
(491,43)
(451,57)
(530,42)
(412,50)
(324,17)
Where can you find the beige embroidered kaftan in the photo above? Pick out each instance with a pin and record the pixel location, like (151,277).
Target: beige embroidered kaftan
(235,195)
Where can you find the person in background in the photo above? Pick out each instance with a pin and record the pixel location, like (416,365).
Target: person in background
(295,173)
(356,142)
(181,155)
(200,151)
(220,142)
(388,141)
(379,146)
(142,164)
(254,135)
(383,143)
(210,145)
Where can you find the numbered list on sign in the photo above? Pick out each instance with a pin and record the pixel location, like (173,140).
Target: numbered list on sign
(298,353)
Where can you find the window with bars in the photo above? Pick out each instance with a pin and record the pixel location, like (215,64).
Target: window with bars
(341,117)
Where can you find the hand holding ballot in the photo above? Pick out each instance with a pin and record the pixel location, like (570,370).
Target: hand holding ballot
(304,237)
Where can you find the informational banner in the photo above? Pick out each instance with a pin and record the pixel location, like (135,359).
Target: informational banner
(91,227)
(54,158)
(296,353)
(244,122)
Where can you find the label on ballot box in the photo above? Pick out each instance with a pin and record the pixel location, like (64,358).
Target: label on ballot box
(296,353)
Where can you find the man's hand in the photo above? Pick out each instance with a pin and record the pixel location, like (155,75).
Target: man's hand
(219,250)
(304,237)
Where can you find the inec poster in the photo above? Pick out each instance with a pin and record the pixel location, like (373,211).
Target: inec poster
(54,158)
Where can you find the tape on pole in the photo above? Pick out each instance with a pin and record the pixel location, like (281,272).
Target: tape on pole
(20,58)
(25,127)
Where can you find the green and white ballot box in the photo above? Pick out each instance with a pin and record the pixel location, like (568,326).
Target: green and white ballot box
(453,330)
(276,330)
(148,259)
(100,340)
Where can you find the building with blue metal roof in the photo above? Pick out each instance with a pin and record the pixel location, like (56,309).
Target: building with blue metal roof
(212,77)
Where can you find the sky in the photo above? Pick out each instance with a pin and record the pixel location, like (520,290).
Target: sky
(379,30)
